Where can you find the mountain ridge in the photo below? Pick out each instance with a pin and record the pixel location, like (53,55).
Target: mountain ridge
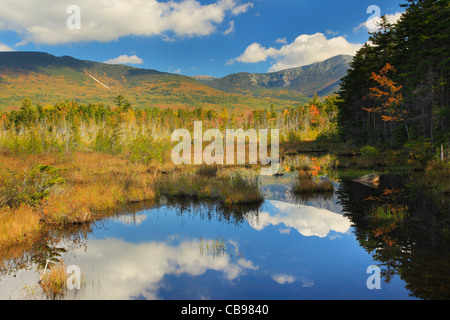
(47,79)
(321,77)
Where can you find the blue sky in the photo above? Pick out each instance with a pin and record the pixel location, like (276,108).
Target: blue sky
(192,37)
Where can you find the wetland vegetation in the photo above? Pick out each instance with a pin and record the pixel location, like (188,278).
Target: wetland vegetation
(66,167)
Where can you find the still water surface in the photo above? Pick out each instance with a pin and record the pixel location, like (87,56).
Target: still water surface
(285,249)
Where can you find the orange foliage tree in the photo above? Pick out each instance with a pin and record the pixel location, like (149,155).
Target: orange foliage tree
(387,95)
(314,114)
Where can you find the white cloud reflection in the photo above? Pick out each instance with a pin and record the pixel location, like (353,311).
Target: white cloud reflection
(283,278)
(126,270)
(308,221)
(132,219)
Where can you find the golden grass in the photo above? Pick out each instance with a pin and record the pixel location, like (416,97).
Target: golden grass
(94,182)
(204,183)
(54,281)
(16,225)
(305,183)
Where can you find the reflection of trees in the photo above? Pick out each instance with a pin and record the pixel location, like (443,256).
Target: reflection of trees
(416,248)
(233,214)
(302,198)
(51,244)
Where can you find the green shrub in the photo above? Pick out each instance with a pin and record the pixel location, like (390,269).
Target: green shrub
(293,137)
(369,152)
(145,149)
(27,187)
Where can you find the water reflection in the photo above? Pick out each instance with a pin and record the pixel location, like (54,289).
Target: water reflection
(416,247)
(127,270)
(306,220)
(155,253)
(287,248)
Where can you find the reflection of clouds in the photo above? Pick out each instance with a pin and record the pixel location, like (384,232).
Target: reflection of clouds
(283,278)
(285,231)
(307,283)
(126,270)
(288,279)
(336,236)
(132,219)
(308,221)
(23,285)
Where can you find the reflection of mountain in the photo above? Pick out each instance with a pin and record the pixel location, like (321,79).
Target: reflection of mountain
(308,221)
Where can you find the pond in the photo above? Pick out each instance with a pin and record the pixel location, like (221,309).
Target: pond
(287,248)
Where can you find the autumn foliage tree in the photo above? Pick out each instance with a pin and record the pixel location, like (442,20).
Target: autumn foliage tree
(388,95)
(314,114)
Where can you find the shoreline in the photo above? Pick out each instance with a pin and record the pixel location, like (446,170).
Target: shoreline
(96,183)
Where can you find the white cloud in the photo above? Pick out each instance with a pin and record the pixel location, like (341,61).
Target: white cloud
(44,22)
(283,278)
(256,53)
(241,9)
(281,40)
(305,49)
(125,59)
(230,29)
(4,47)
(371,25)
(173,70)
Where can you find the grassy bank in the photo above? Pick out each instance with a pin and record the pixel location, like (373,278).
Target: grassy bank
(71,189)
(37,191)
(306,184)
(208,182)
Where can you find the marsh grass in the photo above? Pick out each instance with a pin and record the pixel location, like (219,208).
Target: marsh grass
(240,190)
(54,281)
(79,187)
(48,189)
(208,171)
(214,247)
(18,224)
(389,213)
(306,183)
(228,188)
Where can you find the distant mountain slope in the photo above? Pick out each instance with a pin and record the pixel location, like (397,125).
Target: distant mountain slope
(47,79)
(322,78)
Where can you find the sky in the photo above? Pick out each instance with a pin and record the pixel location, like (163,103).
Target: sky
(193,37)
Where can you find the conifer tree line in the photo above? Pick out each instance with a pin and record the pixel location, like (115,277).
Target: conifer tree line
(396,91)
